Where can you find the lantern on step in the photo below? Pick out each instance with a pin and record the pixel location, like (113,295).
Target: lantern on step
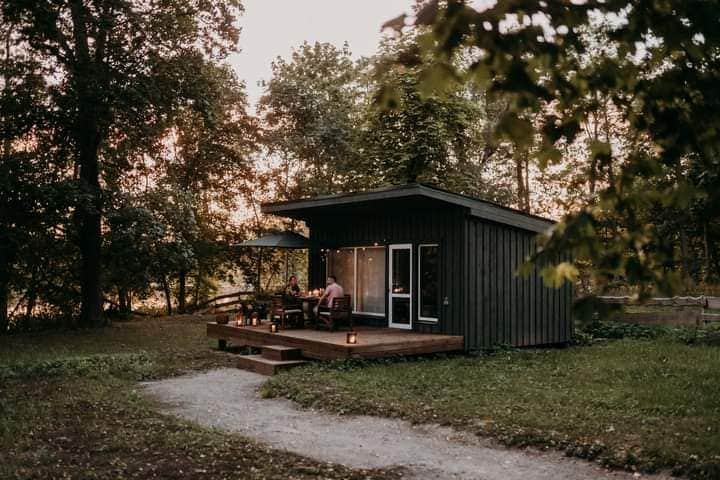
(255,319)
(352,338)
(239,320)
(273,327)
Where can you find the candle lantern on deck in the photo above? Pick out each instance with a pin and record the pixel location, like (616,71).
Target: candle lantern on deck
(273,327)
(352,338)
(239,320)
(255,319)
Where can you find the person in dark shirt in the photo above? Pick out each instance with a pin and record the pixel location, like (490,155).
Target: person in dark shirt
(292,290)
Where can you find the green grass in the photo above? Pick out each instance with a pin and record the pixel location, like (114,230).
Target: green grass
(70,407)
(634,403)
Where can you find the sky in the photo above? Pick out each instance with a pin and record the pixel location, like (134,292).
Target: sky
(271,28)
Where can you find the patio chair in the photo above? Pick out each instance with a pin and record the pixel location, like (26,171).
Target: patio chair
(338,312)
(283,312)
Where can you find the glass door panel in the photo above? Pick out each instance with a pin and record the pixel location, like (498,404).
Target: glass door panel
(400,286)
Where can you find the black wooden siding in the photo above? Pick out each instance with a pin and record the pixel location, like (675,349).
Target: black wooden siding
(488,302)
(504,307)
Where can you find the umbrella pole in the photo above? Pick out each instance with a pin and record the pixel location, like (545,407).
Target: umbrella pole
(259,281)
(286,265)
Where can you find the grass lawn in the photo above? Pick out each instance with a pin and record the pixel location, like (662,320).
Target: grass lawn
(640,404)
(70,407)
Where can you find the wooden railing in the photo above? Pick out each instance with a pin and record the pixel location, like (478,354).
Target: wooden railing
(210,305)
(665,302)
(677,311)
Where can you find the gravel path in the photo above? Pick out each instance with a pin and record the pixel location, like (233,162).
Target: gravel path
(227,399)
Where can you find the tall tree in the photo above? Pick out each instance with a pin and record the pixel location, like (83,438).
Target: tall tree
(310,109)
(414,135)
(115,69)
(209,161)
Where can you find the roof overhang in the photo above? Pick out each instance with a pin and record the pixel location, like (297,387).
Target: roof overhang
(289,240)
(307,208)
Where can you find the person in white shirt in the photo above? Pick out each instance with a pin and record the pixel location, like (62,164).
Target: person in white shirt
(332,290)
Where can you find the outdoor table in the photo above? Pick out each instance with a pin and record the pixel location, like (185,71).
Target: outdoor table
(311,301)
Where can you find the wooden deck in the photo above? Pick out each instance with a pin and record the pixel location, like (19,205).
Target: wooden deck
(324,345)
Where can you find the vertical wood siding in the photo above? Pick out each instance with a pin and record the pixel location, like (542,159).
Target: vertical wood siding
(503,307)
(488,302)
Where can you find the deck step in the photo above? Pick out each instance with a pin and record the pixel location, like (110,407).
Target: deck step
(265,366)
(281,352)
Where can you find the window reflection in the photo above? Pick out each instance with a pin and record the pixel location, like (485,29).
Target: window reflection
(429,279)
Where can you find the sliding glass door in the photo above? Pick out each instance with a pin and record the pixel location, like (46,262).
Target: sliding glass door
(361,273)
(400,286)
(370,281)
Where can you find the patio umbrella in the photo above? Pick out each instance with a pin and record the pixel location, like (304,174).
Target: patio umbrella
(284,240)
(290,240)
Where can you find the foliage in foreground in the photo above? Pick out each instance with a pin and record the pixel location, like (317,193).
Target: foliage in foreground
(70,407)
(644,404)
(563,66)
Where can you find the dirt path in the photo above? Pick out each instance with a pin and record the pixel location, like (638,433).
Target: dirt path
(227,399)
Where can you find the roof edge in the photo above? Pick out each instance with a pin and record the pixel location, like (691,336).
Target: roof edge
(478,208)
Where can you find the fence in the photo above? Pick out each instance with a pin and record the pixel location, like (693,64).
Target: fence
(667,311)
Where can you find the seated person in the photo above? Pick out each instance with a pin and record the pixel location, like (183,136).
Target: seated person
(332,290)
(292,289)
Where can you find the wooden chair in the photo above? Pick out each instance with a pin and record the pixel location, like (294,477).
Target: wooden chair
(282,312)
(339,311)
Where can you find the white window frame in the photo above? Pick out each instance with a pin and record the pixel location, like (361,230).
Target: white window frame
(419,284)
(391,295)
(355,283)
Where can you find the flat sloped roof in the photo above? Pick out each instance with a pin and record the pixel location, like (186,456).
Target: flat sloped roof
(305,208)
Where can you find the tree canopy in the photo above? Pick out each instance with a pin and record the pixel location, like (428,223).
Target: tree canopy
(656,71)
(104,82)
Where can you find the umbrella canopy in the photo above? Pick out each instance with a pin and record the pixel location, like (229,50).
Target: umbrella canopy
(278,240)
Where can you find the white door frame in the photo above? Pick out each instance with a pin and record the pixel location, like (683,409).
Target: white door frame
(391,294)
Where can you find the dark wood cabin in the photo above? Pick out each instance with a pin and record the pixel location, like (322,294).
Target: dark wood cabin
(417,257)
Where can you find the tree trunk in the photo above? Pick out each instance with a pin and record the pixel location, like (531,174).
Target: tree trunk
(88,137)
(4,290)
(88,219)
(706,248)
(527,183)
(181,291)
(168,298)
(198,280)
(684,253)
(31,301)
(521,183)
(122,301)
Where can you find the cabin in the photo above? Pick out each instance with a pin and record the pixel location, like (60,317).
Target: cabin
(418,258)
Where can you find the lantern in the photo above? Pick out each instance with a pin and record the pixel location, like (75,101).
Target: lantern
(352,338)
(273,328)
(255,320)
